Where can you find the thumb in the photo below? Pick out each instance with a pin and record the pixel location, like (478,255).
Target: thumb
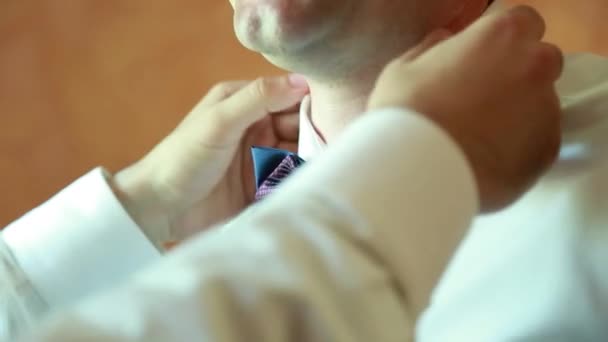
(262,97)
(426,44)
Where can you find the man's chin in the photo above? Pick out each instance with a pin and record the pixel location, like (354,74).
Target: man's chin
(272,26)
(290,38)
(280,50)
(273,38)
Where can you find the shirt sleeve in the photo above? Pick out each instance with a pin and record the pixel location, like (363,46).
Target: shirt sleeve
(77,243)
(348,249)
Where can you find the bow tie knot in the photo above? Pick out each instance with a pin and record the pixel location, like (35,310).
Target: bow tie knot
(271,166)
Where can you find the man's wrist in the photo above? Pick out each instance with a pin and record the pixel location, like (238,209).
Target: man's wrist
(138,196)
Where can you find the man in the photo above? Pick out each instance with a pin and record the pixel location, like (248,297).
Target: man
(128,187)
(415,274)
(538,265)
(290,267)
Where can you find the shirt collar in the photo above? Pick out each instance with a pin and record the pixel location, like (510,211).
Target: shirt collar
(310,143)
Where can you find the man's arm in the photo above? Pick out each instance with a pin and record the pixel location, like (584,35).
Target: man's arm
(75,244)
(330,256)
(353,245)
(83,240)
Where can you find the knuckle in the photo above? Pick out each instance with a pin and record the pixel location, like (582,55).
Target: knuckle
(554,58)
(501,29)
(547,62)
(217,120)
(262,87)
(221,90)
(525,16)
(509,21)
(520,22)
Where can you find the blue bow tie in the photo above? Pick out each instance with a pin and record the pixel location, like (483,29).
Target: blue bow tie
(271,166)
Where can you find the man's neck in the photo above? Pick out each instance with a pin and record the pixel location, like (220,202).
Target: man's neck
(334,106)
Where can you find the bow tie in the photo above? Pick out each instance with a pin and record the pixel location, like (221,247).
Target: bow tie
(271,166)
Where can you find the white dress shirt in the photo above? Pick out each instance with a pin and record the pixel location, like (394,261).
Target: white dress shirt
(79,242)
(538,270)
(318,260)
(322,259)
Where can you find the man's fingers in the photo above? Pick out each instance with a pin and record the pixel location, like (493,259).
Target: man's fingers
(522,24)
(222,91)
(549,61)
(259,98)
(430,41)
(293,109)
(528,22)
(287,126)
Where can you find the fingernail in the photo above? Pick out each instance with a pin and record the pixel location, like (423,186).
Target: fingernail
(298,81)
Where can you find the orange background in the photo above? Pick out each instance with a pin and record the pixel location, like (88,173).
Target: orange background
(92,82)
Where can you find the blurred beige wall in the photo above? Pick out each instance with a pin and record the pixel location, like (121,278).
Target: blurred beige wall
(575,25)
(99,82)
(92,82)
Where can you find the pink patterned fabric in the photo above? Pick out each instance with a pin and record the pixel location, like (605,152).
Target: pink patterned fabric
(284,169)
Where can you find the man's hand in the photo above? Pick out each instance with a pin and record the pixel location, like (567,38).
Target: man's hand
(491,88)
(201,173)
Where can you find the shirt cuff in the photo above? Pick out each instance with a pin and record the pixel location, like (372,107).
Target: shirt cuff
(80,241)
